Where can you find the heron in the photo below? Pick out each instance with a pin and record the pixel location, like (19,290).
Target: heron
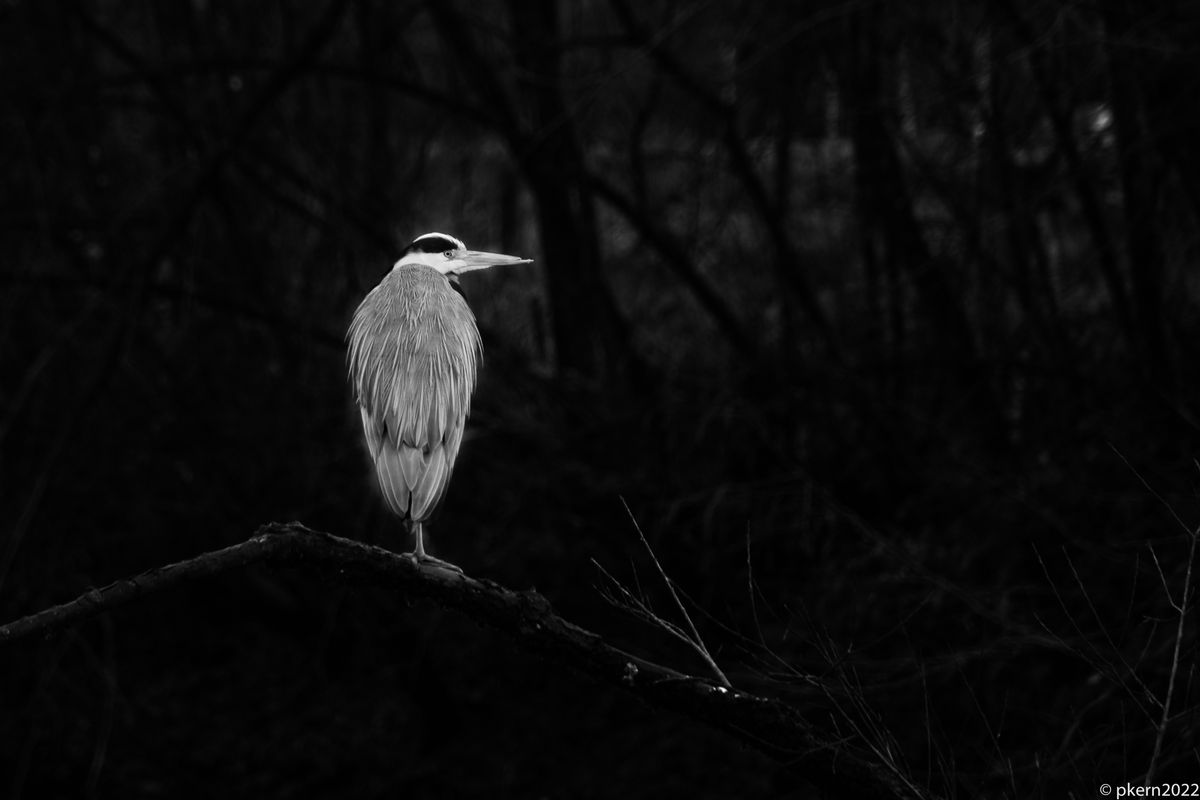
(414,351)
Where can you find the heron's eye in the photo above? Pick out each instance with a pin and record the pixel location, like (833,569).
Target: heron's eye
(449,254)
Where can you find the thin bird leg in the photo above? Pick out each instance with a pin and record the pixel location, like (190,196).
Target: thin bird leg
(419,551)
(421,557)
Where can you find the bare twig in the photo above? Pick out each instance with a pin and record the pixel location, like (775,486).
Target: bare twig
(751,590)
(1153,492)
(1117,668)
(637,606)
(1182,608)
(693,637)
(1094,657)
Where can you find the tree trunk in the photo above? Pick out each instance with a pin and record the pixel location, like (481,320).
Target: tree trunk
(1142,177)
(587,331)
(884,203)
(589,337)
(893,237)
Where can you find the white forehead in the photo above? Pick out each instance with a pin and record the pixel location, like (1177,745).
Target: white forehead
(458,242)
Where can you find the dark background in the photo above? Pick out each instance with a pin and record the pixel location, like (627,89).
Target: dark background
(882,318)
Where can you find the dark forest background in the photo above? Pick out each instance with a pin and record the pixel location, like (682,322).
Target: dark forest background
(881,317)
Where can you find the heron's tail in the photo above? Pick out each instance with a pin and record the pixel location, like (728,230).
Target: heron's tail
(413,482)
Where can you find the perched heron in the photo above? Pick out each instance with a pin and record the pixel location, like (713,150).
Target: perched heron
(414,351)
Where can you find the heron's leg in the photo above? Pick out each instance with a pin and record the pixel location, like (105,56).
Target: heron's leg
(418,533)
(421,557)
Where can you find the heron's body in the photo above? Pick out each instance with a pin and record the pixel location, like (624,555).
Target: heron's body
(414,353)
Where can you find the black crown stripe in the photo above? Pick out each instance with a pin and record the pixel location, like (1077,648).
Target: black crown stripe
(432,244)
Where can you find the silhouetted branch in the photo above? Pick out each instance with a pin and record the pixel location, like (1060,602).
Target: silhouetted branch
(172,233)
(725,116)
(660,239)
(826,759)
(231,307)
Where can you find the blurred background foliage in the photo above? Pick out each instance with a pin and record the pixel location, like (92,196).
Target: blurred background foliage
(881,317)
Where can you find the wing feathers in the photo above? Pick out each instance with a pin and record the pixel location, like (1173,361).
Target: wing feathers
(413,353)
(414,481)
(391,480)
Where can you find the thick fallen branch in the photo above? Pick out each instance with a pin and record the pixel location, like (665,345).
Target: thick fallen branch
(842,768)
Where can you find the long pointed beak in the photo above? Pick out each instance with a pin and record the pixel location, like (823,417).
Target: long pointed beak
(477,259)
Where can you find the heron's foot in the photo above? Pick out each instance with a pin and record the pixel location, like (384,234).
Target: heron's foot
(426,560)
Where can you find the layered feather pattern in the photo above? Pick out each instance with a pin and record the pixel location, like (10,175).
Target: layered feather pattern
(414,349)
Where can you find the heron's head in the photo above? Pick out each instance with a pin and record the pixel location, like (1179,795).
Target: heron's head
(450,256)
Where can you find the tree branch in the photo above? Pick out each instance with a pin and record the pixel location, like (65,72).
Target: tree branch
(659,238)
(725,115)
(826,759)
